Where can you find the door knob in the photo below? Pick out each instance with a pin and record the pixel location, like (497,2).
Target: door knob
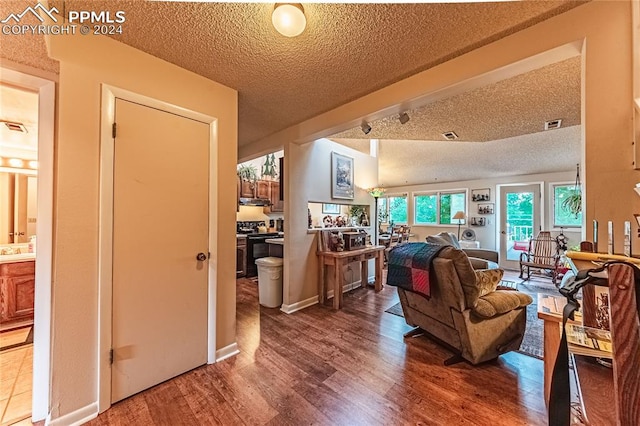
(201,256)
(503,232)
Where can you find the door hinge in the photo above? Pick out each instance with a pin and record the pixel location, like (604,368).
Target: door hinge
(113,130)
(111,356)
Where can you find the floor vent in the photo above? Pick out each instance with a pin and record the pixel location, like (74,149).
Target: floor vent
(451,136)
(553,124)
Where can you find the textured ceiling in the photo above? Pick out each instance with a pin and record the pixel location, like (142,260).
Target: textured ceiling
(346,51)
(410,162)
(500,128)
(21,106)
(511,107)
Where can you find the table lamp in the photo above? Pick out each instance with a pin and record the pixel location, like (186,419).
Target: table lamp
(375,193)
(460,216)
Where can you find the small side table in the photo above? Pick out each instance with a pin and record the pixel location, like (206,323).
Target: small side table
(338,259)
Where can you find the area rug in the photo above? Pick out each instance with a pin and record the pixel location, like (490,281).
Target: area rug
(15,338)
(532,343)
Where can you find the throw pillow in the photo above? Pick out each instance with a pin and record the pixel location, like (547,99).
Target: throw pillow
(487,280)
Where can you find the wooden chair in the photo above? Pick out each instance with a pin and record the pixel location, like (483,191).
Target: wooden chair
(542,255)
(586,246)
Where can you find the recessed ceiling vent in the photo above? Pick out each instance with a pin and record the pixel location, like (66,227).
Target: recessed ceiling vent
(450,136)
(553,124)
(15,126)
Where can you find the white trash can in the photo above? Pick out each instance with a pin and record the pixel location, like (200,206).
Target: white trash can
(270,281)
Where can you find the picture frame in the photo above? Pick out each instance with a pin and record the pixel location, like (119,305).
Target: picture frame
(481,195)
(485,208)
(478,221)
(330,208)
(342,175)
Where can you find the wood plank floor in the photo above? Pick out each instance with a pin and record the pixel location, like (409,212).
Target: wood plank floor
(350,367)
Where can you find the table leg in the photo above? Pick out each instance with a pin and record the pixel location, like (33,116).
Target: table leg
(379,262)
(337,286)
(322,285)
(364,273)
(551,345)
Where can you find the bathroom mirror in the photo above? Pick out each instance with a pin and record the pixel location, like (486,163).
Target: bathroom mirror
(18,205)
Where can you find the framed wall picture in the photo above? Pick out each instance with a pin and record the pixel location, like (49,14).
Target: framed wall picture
(478,221)
(485,208)
(341,176)
(481,194)
(331,208)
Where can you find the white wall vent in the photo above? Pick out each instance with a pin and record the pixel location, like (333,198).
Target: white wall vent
(553,124)
(15,126)
(451,135)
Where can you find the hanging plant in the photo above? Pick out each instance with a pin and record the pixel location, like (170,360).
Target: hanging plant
(247,172)
(573,202)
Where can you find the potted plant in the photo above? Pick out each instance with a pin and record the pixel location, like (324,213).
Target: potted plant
(248,175)
(356,214)
(573,202)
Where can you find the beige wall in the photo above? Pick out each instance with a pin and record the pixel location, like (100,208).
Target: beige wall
(310,166)
(85,63)
(602,29)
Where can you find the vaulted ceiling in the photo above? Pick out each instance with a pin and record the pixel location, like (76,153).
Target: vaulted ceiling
(346,51)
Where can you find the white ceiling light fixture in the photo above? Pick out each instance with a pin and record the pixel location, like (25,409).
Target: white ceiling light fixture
(289,19)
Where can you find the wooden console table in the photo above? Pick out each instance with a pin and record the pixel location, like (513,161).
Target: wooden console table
(338,259)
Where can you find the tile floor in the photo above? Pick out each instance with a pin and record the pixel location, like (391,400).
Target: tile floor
(16,372)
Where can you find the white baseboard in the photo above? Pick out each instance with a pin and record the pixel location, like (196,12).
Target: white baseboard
(227,352)
(289,309)
(76,417)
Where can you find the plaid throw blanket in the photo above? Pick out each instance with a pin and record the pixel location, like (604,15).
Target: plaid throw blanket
(408,266)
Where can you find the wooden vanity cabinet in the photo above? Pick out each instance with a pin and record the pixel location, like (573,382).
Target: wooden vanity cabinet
(17,289)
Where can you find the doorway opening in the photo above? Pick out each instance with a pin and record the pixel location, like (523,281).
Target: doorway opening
(27,103)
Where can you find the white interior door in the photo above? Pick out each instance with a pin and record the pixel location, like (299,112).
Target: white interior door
(160,224)
(519,221)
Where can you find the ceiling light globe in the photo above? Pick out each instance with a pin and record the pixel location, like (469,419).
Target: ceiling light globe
(289,19)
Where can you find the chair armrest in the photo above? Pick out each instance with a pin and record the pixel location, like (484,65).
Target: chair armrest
(490,255)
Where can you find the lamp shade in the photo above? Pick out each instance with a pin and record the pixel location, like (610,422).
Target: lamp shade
(376,192)
(459,215)
(289,19)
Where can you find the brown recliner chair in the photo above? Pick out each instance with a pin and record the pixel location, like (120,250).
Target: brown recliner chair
(465,310)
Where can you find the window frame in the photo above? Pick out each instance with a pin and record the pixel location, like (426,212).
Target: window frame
(439,194)
(552,202)
(388,205)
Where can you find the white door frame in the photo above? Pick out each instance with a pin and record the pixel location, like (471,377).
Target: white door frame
(42,321)
(105,257)
(499,207)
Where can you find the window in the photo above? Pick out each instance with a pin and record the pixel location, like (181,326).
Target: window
(397,209)
(561,214)
(426,206)
(449,205)
(439,207)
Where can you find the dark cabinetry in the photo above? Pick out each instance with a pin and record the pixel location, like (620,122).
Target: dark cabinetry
(241,257)
(17,288)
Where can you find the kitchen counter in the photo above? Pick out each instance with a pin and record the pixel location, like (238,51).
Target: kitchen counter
(275,241)
(12,258)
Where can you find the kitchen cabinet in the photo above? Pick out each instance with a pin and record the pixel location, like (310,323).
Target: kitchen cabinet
(262,189)
(17,289)
(277,205)
(241,256)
